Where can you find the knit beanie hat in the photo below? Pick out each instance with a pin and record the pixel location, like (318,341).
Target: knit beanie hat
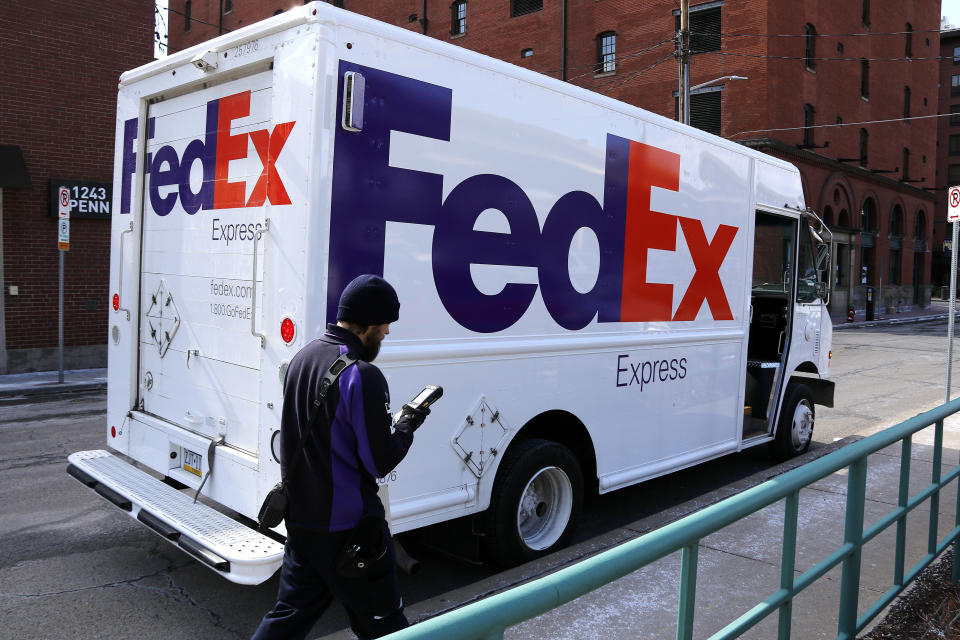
(368,300)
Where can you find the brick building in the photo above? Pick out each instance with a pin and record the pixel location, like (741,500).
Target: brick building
(948,152)
(814,72)
(58,87)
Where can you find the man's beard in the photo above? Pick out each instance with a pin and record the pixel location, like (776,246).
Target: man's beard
(370,351)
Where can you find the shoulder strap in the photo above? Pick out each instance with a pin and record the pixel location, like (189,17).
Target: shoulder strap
(329,378)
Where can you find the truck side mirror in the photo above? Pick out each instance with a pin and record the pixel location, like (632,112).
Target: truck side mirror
(822,290)
(823,256)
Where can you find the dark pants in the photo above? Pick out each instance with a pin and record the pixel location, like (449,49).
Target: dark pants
(309,583)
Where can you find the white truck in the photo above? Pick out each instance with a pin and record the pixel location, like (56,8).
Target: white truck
(605,295)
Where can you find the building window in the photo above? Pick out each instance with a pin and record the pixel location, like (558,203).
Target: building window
(865,13)
(523,7)
(953,175)
(704,28)
(869,218)
(526,53)
(906,102)
(896,221)
(810,50)
(808,113)
(920,226)
(607,52)
(905,161)
(227,6)
(954,145)
(895,266)
(864,142)
(705,111)
(458,18)
(187,17)
(956,55)
(955,85)
(864,79)
(908,44)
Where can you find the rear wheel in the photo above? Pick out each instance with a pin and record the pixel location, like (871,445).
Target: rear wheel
(795,426)
(535,502)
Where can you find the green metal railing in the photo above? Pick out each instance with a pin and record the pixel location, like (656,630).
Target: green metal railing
(489,618)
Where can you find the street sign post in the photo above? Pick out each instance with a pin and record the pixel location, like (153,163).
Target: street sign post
(63,244)
(953,215)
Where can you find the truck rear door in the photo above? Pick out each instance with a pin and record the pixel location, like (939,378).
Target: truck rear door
(199,361)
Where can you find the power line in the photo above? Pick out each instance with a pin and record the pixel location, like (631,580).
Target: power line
(192,19)
(816,35)
(842,124)
(758,55)
(618,59)
(632,74)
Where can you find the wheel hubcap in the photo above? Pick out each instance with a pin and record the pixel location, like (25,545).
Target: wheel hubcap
(545,507)
(802,428)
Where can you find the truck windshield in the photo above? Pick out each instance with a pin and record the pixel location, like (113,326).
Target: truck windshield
(773,253)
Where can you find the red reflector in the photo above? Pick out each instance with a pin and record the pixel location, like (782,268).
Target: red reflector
(113,432)
(116,302)
(287,330)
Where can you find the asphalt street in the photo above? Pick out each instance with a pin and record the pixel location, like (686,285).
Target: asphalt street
(72,565)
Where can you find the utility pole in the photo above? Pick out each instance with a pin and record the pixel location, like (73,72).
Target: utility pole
(684,59)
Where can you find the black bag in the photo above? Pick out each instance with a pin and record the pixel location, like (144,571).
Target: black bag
(366,553)
(274,507)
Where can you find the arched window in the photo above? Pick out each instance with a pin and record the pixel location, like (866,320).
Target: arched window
(864,78)
(920,226)
(828,216)
(908,44)
(187,15)
(843,220)
(868,219)
(810,50)
(906,102)
(896,221)
(808,113)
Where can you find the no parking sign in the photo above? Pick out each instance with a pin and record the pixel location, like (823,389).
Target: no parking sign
(953,207)
(63,213)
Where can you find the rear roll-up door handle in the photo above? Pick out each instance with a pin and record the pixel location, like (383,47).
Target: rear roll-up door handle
(253,296)
(120,278)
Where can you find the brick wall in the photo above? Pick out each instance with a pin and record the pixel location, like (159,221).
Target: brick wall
(61,62)
(772,99)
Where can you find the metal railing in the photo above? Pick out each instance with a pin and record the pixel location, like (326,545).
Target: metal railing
(489,618)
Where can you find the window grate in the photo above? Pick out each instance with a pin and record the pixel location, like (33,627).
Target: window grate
(523,7)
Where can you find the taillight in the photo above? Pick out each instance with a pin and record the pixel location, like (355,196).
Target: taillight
(113,432)
(116,302)
(288,330)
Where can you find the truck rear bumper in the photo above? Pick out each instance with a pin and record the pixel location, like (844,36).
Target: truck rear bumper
(232,549)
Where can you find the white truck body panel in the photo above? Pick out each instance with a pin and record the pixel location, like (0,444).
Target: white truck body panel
(645,342)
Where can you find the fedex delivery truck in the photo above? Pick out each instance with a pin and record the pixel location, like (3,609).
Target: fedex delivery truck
(604,294)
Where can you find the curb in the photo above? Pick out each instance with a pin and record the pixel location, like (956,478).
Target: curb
(51,389)
(839,326)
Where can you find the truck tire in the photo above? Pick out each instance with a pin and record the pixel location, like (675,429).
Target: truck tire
(795,426)
(535,502)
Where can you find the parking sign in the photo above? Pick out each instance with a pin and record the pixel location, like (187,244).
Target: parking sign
(953,209)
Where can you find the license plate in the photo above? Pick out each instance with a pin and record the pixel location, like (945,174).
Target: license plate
(192,462)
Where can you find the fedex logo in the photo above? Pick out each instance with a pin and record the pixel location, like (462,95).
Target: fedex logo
(214,151)
(367,193)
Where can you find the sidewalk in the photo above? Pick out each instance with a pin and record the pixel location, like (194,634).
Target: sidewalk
(938,310)
(22,385)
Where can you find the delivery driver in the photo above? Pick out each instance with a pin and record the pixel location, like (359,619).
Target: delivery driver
(334,484)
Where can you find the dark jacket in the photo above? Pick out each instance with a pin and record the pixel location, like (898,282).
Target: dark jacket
(353,444)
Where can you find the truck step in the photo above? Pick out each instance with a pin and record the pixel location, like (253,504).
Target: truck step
(231,548)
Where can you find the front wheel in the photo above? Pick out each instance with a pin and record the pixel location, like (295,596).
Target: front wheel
(535,502)
(795,426)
